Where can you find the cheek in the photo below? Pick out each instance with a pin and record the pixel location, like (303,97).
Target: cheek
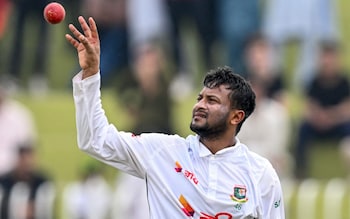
(219,114)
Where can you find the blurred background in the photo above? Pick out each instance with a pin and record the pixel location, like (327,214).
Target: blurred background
(155,53)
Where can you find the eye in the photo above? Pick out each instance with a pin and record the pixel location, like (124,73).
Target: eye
(212,100)
(199,98)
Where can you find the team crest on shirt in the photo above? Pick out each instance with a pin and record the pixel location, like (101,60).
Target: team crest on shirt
(239,194)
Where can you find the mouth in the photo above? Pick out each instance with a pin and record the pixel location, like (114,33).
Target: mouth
(199,115)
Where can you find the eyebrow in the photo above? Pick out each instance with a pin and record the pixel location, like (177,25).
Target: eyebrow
(210,96)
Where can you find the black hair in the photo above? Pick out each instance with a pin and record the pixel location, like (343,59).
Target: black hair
(241,96)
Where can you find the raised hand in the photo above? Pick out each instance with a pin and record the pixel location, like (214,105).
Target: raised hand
(87,45)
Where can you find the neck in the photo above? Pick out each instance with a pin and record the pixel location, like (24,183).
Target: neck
(215,145)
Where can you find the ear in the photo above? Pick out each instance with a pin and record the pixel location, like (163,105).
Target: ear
(237,116)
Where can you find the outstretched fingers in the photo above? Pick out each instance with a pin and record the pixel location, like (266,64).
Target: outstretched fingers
(75,31)
(86,43)
(93,28)
(76,34)
(84,26)
(89,30)
(72,41)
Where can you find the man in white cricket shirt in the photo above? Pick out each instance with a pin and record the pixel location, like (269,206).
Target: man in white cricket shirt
(211,175)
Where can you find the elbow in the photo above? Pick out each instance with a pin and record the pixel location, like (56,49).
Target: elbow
(96,148)
(84,140)
(84,144)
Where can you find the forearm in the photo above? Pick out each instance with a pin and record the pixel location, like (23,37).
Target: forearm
(97,137)
(91,121)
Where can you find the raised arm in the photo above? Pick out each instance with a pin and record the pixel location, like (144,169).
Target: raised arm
(87,45)
(95,135)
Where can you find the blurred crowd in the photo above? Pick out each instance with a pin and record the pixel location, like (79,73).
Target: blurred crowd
(152,52)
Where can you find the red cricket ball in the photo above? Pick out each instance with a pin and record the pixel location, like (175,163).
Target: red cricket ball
(54,13)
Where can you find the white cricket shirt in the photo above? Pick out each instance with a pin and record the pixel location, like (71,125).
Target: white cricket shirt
(184,179)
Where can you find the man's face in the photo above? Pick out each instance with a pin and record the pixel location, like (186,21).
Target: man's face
(210,115)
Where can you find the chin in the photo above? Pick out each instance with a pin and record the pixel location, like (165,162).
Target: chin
(196,125)
(197,128)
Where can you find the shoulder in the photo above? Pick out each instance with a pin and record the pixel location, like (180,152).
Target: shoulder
(257,161)
(265,175)
(161,137)
(165,140)
(261,167)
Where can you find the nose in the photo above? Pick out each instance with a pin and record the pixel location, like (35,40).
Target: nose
(199,105)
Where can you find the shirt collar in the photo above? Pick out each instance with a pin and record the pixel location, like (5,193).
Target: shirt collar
(204,151)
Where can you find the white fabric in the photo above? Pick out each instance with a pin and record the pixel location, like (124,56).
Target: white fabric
(89,199)
(130,198)
(17,127)
(183,177)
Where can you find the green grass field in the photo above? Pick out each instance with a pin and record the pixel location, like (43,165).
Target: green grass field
(54,113)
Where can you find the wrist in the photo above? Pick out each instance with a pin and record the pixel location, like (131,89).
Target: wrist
(89,72)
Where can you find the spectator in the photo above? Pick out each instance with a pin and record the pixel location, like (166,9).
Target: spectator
(29,11)
(17,127)
(147,21)
(91,188)
(200,16)
(271,115)
(111,16)
(308,23)
(22,189)
(145,92)
(259,68)
(237,21)
(327,112)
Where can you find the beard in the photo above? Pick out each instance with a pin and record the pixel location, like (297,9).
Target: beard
(211,131)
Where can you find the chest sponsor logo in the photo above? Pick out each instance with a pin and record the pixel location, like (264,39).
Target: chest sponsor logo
(221,215)
(190,212)
(178,167)
(239,194)
(188,174)
(187,208)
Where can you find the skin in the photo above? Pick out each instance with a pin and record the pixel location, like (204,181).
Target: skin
(213,118)
(87,45)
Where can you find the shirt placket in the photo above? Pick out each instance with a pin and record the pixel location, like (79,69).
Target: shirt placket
(213,176)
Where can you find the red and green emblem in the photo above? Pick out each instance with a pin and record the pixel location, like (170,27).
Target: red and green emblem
(239,194)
